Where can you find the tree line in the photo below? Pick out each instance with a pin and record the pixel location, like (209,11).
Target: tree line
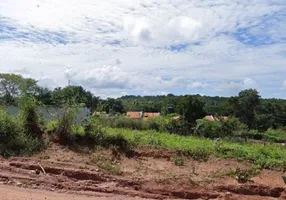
(252,110)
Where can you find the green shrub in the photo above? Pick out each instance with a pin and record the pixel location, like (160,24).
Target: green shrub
(208,129)
(275,135)
(13,141)
(29,116)
(51,126)
(223,128)
(244,175)
(9,128)
(65,124)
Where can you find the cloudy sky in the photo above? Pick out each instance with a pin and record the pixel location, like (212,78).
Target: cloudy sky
(119,47)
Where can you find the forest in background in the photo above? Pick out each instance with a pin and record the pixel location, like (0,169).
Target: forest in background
(252,110)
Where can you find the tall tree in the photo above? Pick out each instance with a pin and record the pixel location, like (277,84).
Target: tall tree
(244,106)
(113,106)
(12,85)
(191,108)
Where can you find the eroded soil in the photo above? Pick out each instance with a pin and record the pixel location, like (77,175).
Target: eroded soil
(149,173)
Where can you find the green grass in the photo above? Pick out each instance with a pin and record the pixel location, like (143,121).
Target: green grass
(276,135)
(269,156)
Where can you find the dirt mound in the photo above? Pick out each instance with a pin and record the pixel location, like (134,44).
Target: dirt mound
(152,174)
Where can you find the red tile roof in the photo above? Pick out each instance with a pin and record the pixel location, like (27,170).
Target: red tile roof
(212,118)
(133,115)
(147,115)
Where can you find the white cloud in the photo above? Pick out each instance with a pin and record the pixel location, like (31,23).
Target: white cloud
(284,85)
(198,85)
(247,83)
(114,46)
(103,77)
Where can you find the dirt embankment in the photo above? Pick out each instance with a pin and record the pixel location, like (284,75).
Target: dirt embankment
(149,174)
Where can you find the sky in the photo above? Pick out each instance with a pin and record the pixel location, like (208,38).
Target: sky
(147,47)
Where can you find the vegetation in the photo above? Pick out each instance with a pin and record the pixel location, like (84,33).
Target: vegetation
(251,132)
(15,138)
(244,175)
(267,156)
(106,163)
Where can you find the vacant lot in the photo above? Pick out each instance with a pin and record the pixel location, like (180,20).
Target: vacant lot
(147,173)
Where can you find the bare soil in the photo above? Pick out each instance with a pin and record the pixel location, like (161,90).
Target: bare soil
(59,173)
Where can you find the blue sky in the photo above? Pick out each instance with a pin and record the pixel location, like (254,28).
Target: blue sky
(147,47)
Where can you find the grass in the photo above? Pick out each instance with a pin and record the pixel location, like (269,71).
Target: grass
(269,156)
(275,135)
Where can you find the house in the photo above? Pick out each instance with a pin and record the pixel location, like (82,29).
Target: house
(212,118)
(96,113)
(141,115)
(134,115)
(176,118)
(148,115)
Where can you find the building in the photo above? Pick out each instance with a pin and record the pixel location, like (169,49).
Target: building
(141,115)
(212,118)
(96,113)
(134,115)
(148,115)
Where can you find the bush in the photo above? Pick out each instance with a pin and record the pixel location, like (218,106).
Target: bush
(245,175)
(65,124)
(13,141)
(29,117)
(275,135)
(208,129)
(214,129)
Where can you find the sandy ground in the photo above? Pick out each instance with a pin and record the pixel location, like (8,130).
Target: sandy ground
(59,173)
(16,193)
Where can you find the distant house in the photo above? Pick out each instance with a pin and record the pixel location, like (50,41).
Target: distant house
(134,115)
(141,115)
(176,118)
(212,118)
(148,115)
(96,113)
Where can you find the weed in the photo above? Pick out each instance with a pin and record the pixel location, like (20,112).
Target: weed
(178,161)
(244,175)
(105,163)
(199,154)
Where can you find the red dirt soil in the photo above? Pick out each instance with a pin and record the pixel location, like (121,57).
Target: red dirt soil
(59,173)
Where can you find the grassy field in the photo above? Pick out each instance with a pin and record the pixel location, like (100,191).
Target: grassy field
(270,156)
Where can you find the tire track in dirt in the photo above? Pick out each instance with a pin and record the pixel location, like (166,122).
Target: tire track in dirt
(86,180)
(70,172)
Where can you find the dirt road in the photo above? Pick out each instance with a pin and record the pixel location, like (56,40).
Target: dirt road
(16,193)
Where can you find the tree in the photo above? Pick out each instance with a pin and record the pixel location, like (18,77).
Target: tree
(71,95)
(191,108)
(44,95)
(113,106)
(12,86)
(244,106)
